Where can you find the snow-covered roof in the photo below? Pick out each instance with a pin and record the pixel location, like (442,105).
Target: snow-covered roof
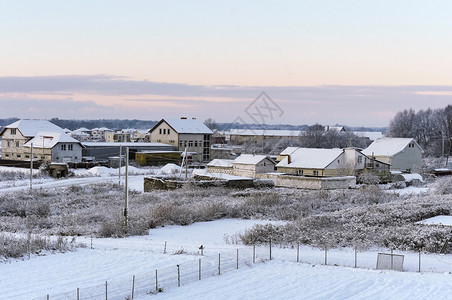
(48,140)
(289,150)
(410,177)
(372,135)
(227,163)
(128,144)
(310,158)
(250,159)
(387,146)
(29,128)
(260,132)
(185,126)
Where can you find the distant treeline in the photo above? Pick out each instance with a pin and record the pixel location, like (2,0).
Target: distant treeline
(146,124)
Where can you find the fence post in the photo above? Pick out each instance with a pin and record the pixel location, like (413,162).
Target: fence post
(106,290)
(178,276)
(356,257)
(156,282)
(164,249)
(254,254)
(419,270)
(298,252)
(133,285)
(48,297)
(270,248)
(326,256)
(78,294)
(237,258)
(392,260)
(219,264)
(199,268)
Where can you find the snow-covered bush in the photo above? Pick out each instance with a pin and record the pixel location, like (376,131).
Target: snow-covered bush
(443,186)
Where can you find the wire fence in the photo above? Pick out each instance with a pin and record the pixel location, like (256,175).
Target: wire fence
(201,266)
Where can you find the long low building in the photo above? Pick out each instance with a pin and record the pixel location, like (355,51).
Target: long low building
(102,151)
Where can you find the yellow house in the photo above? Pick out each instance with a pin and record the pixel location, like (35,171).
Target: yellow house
(184,133)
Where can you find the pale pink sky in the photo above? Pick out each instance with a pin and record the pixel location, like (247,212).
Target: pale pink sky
(348,62)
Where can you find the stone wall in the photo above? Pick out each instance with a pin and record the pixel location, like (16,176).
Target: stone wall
(311,183)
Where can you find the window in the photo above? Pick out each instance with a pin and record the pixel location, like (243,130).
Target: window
(27,156)
(63,147)
(360,159)
(180,144)
(70,147)
(411,145)
(13,130)
(160,130)
(9,144)
(17,144)
(300,172)
(190,143)
(168,131)
(316,173)
(164,131)
(196,143)
(18,155)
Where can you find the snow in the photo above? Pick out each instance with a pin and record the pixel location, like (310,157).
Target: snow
(203,172)
(220,163)
(411,177)
(311,158)
(260,132)
(438,220)
(130,144)
(249,159)
(187,126)
(115,260)
(29,128)
(387,146)
(48,140)
(372,135)
(169,169)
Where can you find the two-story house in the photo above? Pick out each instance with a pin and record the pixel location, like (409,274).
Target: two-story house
(184,133)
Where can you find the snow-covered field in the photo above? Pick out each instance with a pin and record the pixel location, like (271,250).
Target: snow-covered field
(117,260)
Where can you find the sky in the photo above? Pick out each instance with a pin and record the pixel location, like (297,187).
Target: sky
(354,63)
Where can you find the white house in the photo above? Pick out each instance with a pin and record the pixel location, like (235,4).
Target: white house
(54,146)
(403,154)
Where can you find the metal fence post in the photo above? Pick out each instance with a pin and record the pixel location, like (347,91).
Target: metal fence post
(237,258)
(298,252)
(254,254)
(392,260)
(106,290)
(270,248)
(326,256)
(219,264)
(78,294)
(419,270)
(156,281)
(48,297)
(178,276)
(199,268)
(133,285)
(356,257)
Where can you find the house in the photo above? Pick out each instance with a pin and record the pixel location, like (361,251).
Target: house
(16,135)
(248,165)
(402,154)
(56,147)
(223,166)
(240,136)
(184,134)
(329,163)
(117,137)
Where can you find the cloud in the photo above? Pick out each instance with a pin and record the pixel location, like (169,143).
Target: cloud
(98,96)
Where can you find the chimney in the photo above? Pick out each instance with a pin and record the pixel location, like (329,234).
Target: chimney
(183,118)
(288,159)
(193,118)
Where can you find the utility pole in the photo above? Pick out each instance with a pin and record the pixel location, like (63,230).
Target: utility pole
(31,168)
(186,164)
(120,162)
(126,198)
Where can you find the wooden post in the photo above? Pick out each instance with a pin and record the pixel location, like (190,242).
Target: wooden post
(31,168)
(126,191)
(392,260)
(133,285)
(326,256)
(120,160)
(199,269)
(178,276)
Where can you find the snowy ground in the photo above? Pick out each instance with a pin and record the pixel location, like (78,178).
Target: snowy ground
(282,278)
